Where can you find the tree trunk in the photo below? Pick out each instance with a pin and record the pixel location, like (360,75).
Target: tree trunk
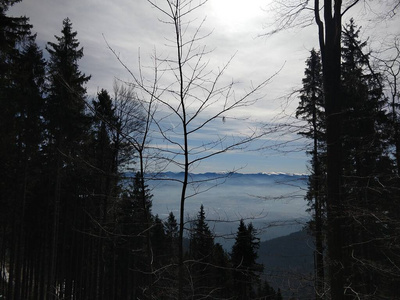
(330,44)
(54,238)
(319,249)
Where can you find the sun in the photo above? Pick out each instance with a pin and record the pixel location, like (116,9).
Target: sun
(233,14)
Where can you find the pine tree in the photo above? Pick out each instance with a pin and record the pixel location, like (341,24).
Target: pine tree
(13,32)
(171,231)
(68,131)
(311,109)
(368,169)
(128,251)
(133,259)
(66,110)
(158,242)
(141,202)
(167,274)
(104,185)
(21,136)
(202,240)
(243,259)
(221,273)
(29,124)
(367,182)
(21,165)
(201,252)
(103,160)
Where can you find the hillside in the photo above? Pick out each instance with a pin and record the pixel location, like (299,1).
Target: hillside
(288,264)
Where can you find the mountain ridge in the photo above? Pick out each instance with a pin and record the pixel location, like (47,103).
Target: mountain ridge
(289,264)
(217,175)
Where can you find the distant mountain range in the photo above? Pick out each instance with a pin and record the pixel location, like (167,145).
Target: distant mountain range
(214,175)
(273,202)
(286,251)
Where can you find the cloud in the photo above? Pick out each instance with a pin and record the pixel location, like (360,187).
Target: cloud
(132,28)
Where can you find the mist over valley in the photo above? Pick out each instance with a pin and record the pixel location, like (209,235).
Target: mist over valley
(273,202)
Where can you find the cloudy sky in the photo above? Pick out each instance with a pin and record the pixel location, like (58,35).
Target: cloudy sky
(131,27)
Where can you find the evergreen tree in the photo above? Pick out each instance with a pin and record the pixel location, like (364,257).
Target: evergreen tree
(171,232)
(128,252)
(221,273)
(13,32)
(104,186)
(158,242)
(30,102)
(243,259)
(22,178)
(67,121)
(68,130)
(367,167)
(367,183)
(311,110)
(133,259)
(21,137)
(167,274)
(109,151)
(103,158)
(141,202)
(202,240)
(201,252)
(364,114)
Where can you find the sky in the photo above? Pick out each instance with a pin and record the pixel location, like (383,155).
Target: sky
(132,28)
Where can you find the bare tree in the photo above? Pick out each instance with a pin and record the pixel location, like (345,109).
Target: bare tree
(192,98)
(390,65)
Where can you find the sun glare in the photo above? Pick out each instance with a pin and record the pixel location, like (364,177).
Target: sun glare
(235,13)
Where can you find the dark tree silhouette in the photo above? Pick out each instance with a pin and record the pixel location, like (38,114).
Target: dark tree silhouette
(67,128)
(328,16)
(243,258)
(312,110)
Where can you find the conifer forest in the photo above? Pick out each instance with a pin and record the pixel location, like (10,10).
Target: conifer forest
(76,218)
